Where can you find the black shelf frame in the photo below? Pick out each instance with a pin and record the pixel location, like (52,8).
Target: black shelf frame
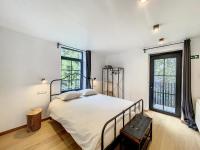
(113,71)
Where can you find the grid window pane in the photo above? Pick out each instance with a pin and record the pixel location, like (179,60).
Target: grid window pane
(170,66)
(71,53)
(164,88)
(159,67)
(71,67)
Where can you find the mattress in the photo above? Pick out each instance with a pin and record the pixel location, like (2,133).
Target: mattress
(85,117)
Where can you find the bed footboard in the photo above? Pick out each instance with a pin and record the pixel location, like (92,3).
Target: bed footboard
(139,104)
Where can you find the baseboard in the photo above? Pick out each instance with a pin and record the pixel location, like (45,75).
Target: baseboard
(20,127)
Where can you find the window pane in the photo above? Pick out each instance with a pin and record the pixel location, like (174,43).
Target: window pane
(170,66)
(73,69)
(76,65)
(170,85)
(65,67)
(170,79)
(76,84)
(71,54)
(159,67)
(158,83)
(66,85)
(76,75)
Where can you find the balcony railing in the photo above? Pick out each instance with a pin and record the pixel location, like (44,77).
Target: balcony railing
(164,96)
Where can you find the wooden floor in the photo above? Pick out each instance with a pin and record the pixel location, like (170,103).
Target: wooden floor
(168,134)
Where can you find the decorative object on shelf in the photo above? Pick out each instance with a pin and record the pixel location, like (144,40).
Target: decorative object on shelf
(34,119)
(113,81)
(108,67)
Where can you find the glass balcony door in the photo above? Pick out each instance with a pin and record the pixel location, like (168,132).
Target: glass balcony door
(165,83)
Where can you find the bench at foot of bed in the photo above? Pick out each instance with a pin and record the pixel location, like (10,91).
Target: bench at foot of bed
(137,133)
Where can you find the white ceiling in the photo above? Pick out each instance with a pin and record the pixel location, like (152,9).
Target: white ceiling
(103,25)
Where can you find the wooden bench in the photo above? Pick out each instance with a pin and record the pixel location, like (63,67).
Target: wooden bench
(137,133)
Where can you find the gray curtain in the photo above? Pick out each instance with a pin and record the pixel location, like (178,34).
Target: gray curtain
(88,68)
(187,105)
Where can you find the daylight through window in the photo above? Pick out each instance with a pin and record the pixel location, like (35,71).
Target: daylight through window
(71,66)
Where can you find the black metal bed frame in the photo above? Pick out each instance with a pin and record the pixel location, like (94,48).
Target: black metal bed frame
(116,138)
(67,76)
(139,104)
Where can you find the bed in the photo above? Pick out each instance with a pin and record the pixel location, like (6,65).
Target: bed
(94,121)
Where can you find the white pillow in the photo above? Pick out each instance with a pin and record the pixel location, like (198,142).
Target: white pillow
(88,92)
(69,95)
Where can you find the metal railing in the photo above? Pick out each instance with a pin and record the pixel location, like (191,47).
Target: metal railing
(138,105)
(164,94)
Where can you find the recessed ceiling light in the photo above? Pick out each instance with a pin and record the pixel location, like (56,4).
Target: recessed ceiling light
(161,40)
(143,1)
(156,28)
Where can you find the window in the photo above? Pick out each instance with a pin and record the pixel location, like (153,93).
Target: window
(72,65)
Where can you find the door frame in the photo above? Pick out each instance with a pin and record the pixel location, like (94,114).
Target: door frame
(178,55)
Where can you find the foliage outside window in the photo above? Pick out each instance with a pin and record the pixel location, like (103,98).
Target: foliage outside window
(71,66)
(165,80)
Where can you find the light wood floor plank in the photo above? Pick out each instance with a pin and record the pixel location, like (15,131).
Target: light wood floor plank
(169,133)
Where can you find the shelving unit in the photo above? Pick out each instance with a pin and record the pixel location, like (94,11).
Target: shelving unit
(113,81)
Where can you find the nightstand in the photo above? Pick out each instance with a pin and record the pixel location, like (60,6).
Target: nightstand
(34,119)
(137,133)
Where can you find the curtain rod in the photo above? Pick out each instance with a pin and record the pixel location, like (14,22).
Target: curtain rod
(76,49)
(145,49)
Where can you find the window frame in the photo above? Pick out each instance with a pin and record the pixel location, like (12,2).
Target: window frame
(81,69)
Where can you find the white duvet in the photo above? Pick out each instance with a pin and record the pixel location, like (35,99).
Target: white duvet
(85,117)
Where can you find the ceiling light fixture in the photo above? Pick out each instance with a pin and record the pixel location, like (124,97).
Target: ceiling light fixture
(161,40)
(156,28)
(143,1)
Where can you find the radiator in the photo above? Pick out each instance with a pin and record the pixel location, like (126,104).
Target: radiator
(197,118)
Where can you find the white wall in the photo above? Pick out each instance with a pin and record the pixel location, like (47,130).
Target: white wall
(136,64)
(24,61)
(98,62)
(195,71)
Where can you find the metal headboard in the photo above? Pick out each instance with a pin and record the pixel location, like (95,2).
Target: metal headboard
(68,76)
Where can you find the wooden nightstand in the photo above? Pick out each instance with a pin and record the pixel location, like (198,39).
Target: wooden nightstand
(34,119)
